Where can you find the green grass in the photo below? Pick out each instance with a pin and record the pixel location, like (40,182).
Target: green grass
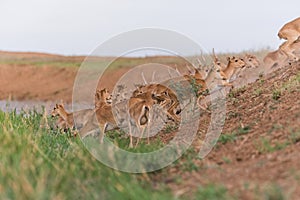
(264,145)
(276,94)
(274,192)
(289,86)
(187,161)
(258,92)
(75,61)
(170,128)
(40,164)
(294,135)
(236,92)
(212,192)
(224,138)
(41,63)
(118,139)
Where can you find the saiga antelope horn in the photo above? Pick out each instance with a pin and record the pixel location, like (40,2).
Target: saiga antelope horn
(179,74)
(153,75)
(214,55)
(189,69)
(169,73)
(199,64)
(144,79)
(202,56)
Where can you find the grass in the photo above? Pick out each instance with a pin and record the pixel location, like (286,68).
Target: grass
(187,161)
(225,138)
(264,145)
(291,84)
(41,63)
(236,92)
(294,135)
(118,139)
(76,61)
(40,164)
(276,94)
(232,114)
(274,192)
(258,92)
(288,86)
(212,192)
(170,128)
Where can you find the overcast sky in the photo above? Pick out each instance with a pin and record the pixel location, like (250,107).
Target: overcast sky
(74,27)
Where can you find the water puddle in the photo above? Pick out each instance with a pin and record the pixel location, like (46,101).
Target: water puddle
(39,106)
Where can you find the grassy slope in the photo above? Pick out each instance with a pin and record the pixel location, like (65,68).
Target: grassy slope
(38,163)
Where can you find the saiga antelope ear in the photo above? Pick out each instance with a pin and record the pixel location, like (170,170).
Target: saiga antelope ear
(97,95)
(228,59)
(101,93)
(105,90)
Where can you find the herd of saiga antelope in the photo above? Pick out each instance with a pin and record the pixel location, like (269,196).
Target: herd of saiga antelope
(139,107)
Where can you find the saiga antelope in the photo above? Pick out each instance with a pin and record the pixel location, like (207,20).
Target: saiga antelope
(102,116)
(290,32)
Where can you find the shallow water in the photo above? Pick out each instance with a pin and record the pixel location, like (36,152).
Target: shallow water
(39,106)
(8,106)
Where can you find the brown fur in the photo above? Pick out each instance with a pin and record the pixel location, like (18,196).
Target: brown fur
(295,48)
(274,58)
(102,96)
(140,110)
(234,64)
(217,63)
(290,32)
(102,116)
(251,61)
(162,95)
(65,119)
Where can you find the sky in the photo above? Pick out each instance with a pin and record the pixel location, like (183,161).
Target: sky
(73,27)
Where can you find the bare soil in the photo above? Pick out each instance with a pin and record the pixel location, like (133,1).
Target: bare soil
(262,155)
